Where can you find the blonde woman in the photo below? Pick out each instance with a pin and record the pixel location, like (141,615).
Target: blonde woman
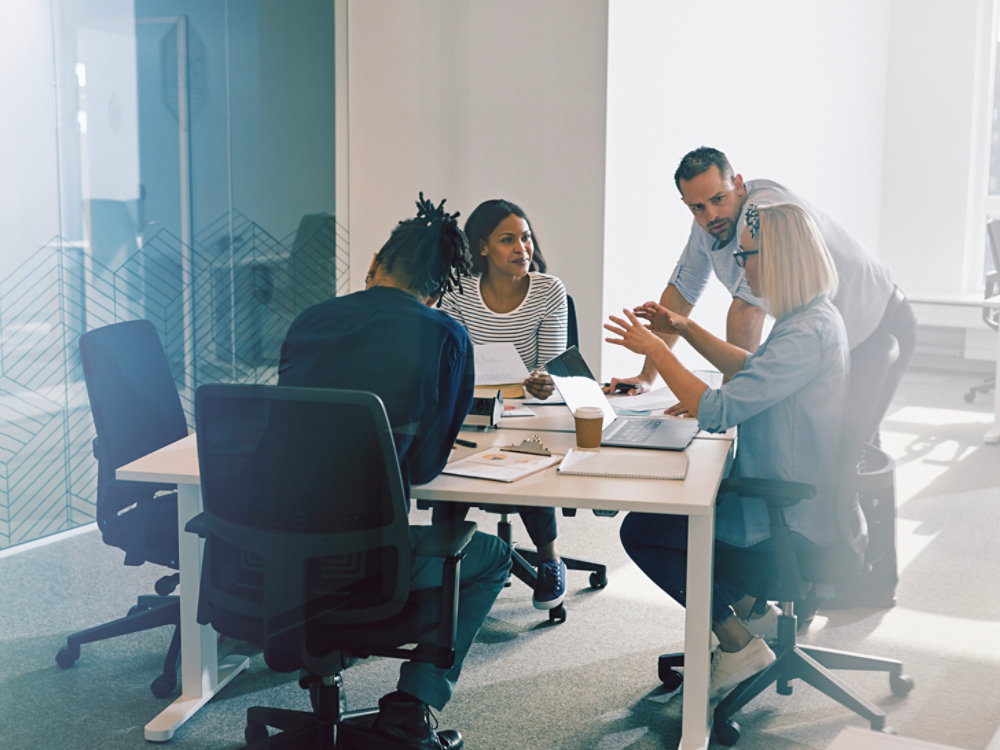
(786,398)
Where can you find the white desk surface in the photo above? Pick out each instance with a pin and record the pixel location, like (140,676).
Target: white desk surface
(695,495)
(853,738)
(174,463)
(559,419)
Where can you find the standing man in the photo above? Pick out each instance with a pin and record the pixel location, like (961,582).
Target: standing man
(390,340)
(868,300)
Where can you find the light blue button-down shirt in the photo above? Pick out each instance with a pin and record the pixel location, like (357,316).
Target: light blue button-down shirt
(788,401)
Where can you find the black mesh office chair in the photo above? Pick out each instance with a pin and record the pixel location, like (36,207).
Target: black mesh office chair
(136,410)
(991,315)
(785,577)
(307,548)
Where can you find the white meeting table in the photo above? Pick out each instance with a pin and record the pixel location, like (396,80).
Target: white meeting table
(202,674)
(557,418)
(693,497)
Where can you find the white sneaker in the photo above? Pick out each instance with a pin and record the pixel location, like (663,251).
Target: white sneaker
(730,668)
(765,625)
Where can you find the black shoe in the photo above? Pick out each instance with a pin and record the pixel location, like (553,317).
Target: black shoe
(411,722)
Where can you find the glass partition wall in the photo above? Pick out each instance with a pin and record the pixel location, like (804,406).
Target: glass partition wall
(164,159)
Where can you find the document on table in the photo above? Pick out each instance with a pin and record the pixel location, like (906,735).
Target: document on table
(498,364)
(661,398)
(517,409)
(500,466)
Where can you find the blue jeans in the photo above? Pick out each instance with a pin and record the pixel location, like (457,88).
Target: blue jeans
(658,543)
(484,571)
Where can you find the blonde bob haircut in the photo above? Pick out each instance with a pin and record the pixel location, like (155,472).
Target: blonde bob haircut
(795,266)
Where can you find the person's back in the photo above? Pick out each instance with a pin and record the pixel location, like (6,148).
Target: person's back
(386,341)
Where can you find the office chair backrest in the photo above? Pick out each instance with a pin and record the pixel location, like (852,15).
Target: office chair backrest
(572,332)
(783,575)
(305,506)
(134,402)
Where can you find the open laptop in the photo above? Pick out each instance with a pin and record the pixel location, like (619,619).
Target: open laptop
(577,386)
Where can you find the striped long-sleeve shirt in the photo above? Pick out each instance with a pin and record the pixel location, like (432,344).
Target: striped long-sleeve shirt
(536,327)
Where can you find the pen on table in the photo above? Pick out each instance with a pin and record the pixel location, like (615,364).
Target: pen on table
(466,443)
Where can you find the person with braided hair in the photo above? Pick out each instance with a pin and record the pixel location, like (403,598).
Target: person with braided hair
(389,339)
(511,299)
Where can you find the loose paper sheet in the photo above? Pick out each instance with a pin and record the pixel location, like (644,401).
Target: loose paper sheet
(497,364)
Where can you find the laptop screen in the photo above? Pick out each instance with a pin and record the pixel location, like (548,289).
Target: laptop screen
(576,384)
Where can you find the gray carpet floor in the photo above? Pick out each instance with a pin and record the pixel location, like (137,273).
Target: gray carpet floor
(591,681)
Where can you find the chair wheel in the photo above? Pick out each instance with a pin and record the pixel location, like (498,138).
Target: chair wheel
(557,614)
(66,658)
(163,685)
(726,732)
(671,677)
(255,732)
(901,684)
(165,586)
(598,580)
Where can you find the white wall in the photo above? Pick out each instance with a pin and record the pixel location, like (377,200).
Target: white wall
(476,100)
(866,107)
(791,91)
(928,237)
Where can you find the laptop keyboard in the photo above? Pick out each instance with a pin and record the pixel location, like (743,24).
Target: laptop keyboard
(637,430)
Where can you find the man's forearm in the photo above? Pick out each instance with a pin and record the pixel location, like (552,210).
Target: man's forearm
(744,324)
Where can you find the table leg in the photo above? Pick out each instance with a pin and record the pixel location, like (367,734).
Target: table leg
(993,434)
(202,676)
(697,624)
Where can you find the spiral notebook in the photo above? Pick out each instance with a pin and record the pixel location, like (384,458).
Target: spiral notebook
(626,464)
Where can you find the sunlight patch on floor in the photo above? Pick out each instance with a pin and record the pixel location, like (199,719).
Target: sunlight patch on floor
(931,415)
(909,542)
(937,634)
(922,456)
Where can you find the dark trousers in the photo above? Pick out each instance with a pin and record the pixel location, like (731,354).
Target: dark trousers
(539,522)
(899,321)
(877,585)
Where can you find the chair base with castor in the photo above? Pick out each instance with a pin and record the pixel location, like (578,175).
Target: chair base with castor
(147,613)
(327,727)
(525,561)
(810,664)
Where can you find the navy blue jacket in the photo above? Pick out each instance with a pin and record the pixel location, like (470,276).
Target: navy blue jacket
(418,360)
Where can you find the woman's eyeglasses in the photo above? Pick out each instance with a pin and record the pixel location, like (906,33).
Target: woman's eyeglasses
(742,255)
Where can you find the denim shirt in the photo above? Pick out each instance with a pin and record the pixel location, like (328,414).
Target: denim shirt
(788,402)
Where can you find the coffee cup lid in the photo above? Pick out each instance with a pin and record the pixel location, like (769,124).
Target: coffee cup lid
(588,412)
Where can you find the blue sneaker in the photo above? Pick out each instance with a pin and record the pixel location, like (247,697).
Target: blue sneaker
(550,588)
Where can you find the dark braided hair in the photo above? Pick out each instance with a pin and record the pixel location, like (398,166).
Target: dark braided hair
(697,161)
(484,219)
(429,253)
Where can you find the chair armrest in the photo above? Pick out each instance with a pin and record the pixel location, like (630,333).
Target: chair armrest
(775,492)
(197,526)
(445,539)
